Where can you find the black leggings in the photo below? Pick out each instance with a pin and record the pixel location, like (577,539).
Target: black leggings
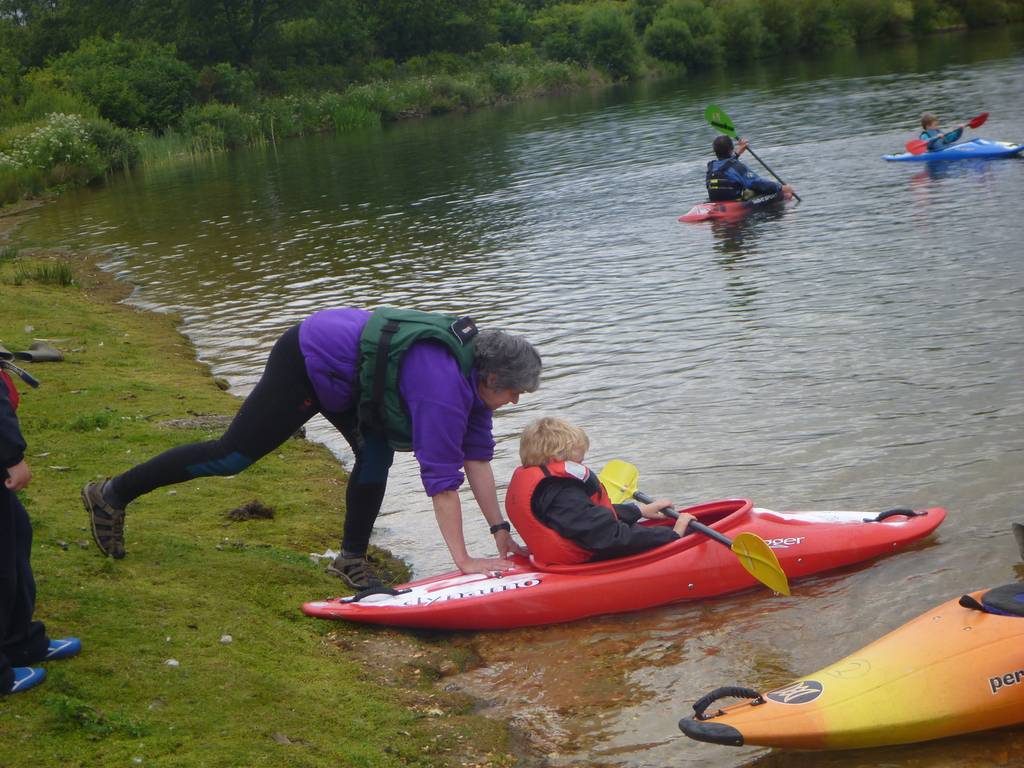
(281,402)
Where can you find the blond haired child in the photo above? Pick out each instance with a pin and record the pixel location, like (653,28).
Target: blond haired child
(561,510)
(936,139)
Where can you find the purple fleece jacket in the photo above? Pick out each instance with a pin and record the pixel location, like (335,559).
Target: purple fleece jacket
(450,423)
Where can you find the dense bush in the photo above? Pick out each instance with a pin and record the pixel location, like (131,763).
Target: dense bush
(219,126)
(10,79)
(606,32)
(511,21)
(685,32)
(132,83)
(60,149)
(226,84)
(44,98)
(741,29)
(983,13)
(555,30)
(781,21)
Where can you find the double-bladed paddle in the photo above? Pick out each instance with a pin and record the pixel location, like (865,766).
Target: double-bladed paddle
(621,479)
(720,121)
(920,146)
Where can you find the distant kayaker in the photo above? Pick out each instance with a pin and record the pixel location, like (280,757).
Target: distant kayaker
(387,380)
(729,179)
(562,511)
(936,139)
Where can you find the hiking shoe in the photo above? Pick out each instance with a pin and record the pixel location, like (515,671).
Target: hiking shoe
(355,571)
(107,522)
(63,648)
(25,678)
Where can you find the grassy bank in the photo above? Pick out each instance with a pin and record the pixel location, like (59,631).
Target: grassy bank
(286,690)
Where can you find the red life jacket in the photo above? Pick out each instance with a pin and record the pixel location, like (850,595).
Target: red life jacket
(10,388)
(546,545)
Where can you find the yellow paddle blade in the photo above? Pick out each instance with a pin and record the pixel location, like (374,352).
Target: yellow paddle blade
(760,562)
(620,479)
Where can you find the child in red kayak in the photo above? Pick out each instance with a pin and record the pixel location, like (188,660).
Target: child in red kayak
(564,514)
(936,139)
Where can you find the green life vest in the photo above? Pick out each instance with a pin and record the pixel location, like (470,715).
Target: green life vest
(388,335)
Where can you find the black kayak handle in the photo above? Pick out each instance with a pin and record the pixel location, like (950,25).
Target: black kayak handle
(893,513)
(966,601)
(728,691)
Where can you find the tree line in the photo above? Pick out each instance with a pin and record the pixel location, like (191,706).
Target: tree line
(226,72)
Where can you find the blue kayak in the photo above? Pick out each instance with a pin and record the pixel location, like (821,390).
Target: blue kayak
(968,150)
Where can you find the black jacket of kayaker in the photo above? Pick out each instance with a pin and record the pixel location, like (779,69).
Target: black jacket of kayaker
(565,517)
(729,179)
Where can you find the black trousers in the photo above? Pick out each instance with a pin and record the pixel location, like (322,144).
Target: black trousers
(281,402)
(22,640)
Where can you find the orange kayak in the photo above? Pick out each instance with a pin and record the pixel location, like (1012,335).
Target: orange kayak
(956,669)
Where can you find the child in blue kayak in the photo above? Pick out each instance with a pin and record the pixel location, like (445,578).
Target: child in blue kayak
(936,139)
(729,179)
(23,641)
(563,512)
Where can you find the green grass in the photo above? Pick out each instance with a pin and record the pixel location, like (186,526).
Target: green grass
(288,690)
(47,273)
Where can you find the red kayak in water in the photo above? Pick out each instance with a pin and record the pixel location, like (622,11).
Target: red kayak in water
(691,568)
(732,210)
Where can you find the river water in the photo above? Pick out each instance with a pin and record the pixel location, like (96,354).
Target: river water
(860,350)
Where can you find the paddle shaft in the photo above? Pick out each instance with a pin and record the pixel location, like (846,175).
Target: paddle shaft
(773,173)
(699,527)
(21,373)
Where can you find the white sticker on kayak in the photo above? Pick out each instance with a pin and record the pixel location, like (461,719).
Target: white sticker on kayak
(459,588)
(822,517)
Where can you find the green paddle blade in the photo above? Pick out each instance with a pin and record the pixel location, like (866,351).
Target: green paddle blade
(620,479)
(720,121)
(759,561)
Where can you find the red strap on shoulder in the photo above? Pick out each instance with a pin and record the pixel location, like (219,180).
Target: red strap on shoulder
(11,389)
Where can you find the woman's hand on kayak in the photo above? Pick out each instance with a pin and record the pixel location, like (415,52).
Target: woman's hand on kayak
(653,511)
(486,565)
(509,546)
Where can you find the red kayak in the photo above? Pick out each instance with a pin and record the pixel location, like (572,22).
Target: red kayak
(691,568)
(732,210)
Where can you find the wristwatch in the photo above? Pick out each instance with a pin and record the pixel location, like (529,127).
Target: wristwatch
(504,525)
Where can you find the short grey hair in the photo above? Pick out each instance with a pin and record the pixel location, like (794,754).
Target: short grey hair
(512,359)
